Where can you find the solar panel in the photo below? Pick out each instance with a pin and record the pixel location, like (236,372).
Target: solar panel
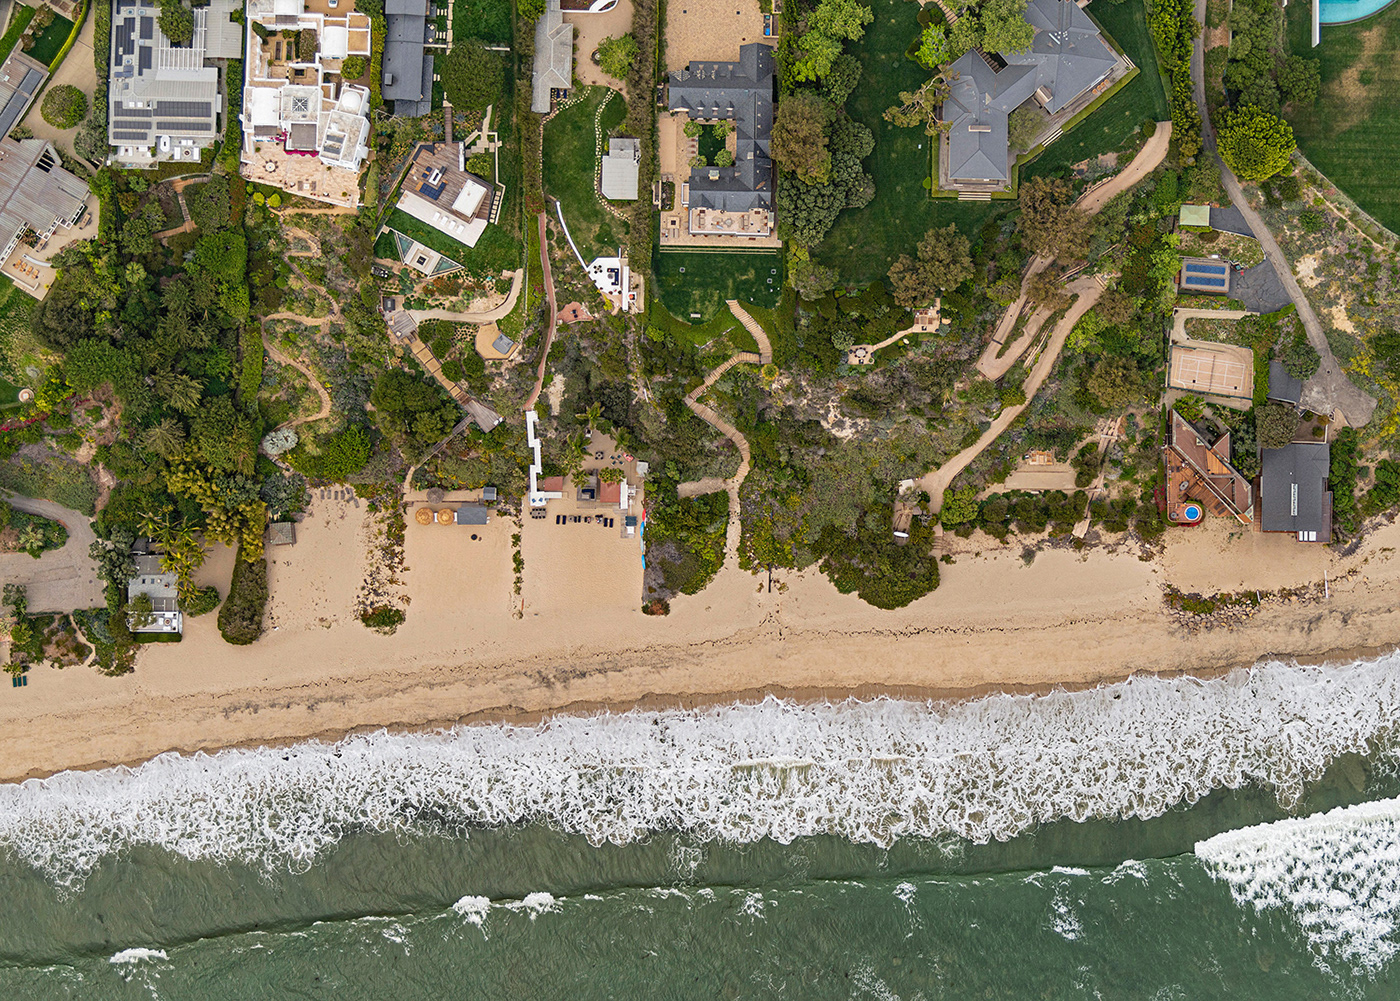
(144,57)
(124,43)
(148,29)
(119,111)
(141,136)
(186,109)
(130,123)
(184,127)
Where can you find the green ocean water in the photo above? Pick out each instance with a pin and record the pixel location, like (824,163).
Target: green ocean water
(1102,909)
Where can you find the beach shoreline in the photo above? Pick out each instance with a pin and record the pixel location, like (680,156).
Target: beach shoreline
(577,642)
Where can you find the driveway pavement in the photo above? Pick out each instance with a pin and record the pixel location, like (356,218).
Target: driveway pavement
(1329,389)
(77,69)
(60,580)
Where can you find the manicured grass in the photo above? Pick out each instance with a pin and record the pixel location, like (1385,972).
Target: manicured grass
(698,282)
(9,393)
(570,158)
(46,46)
(488,20)
(495,252)
(1352,134)
(709,143)
(23,15)
(864,242)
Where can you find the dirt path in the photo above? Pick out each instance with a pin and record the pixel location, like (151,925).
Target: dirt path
(61,579)
(937,481)
(179,187)
(553,315)
(1090,202)
(517,281)
(300,366)
(1329,389)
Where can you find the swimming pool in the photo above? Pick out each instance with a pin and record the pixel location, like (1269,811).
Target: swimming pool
(1343,11)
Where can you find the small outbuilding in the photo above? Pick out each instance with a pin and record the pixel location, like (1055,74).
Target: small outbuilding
(1195,215)
(620,170)
(1282,386)
(472,514)
(282,533)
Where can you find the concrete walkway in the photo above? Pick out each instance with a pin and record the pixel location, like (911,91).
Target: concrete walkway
(62,579)
(1180,316)
(1091,202)
(937,481)
(1329,389)
(485,316)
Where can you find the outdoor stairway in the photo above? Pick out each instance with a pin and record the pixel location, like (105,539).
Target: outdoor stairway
(765,350)
(974,196)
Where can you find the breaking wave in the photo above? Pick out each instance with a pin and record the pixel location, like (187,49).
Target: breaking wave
(870,771)
(1337,873)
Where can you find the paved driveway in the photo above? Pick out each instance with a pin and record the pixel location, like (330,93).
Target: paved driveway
(60,580)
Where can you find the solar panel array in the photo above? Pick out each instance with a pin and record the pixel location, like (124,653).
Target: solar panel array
(185,109)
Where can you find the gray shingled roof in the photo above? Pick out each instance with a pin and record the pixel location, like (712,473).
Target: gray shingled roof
(554,56)
(1067,57)
(1282,386)
(1293,491)
(741,92)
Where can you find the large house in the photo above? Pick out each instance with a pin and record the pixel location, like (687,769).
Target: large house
(554,58)
(37,196)
(304,128)
(1201,479)
(1293,494)
(164,100)
(741,92)
(440,191)
(1067,58)
(407,65)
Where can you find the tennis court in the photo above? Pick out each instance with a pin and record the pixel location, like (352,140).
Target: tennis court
(1212,369)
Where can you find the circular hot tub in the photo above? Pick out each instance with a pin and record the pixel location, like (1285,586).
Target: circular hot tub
(1192,512)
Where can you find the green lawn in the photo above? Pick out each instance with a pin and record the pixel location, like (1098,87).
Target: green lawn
(1353,133)
(495,252)
(864,242)
(9,393)
(690,282)
(570,158)
(488,20)
(46,46)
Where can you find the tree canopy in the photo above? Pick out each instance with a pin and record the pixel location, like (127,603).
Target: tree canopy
(799,139)
(944,262)
(1255,144)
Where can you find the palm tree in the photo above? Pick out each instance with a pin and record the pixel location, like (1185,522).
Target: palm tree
(591,415)
(166,439)
(181,391)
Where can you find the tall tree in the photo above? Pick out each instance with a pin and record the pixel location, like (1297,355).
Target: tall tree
(944,262)
(1255,144)
(799,138)
(1004,26)
(1049,223)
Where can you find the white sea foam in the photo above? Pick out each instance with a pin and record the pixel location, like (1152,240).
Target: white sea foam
(868,771)
(137,955)
(1338,873)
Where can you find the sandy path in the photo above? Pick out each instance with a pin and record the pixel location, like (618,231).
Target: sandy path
(938,480)
(1090,202)
(553,315)
(1329,388)
(485,316)
(300,366)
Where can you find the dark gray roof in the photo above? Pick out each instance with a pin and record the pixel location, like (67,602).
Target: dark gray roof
(471,514)
(1293,493)
(407,68)
(1282,386)
(741,92)
(1067,57)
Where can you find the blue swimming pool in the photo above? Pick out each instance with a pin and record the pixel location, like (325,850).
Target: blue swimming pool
(1342,11)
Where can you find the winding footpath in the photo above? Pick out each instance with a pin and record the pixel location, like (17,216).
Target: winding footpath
(1091,202)
(282,359)
(731,485)
(517,281)
(1329,389)
(1088,289)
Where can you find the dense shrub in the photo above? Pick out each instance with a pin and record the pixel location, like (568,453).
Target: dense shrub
(205,600)
(352,67)
(241,617)
(64,106)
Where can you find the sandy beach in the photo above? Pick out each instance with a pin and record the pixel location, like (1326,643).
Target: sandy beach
(576,639)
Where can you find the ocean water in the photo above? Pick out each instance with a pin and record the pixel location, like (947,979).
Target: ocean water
(1162,839)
